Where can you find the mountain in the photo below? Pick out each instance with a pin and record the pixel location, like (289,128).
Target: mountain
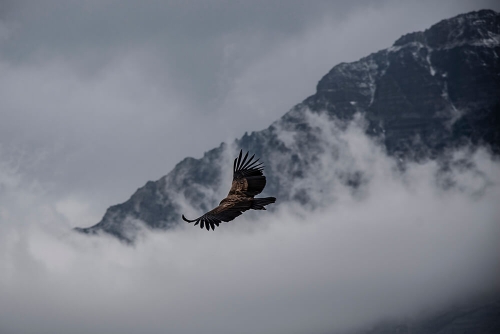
(430,91)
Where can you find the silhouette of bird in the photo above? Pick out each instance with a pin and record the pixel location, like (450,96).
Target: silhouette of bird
(248,181)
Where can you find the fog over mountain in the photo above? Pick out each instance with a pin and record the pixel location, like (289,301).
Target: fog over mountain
(387,218)
(400,245)
(430,92)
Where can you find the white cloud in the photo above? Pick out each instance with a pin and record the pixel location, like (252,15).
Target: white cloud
(406,244)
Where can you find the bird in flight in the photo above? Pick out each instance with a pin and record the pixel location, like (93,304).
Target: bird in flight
(248,181)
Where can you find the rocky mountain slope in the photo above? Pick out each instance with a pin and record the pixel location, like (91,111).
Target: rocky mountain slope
(430,91)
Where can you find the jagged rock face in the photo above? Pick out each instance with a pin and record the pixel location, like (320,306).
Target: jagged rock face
(430,91)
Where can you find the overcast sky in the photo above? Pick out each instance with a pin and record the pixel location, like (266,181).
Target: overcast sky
(98,97)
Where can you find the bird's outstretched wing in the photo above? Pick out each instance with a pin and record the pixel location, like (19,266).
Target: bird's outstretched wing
(248,178)
(244,168)
(230,208)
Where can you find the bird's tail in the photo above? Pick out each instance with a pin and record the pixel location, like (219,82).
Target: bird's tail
(260,203)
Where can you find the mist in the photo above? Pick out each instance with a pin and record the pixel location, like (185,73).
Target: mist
(408,240)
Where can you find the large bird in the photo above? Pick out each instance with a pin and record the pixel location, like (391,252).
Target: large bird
(248,181)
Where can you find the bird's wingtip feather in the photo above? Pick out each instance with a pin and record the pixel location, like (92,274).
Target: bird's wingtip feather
(187,220)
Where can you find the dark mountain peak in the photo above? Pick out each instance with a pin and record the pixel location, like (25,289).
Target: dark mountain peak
(412,37)
(471,28)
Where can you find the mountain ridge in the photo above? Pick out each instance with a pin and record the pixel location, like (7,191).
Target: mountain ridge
(429,91)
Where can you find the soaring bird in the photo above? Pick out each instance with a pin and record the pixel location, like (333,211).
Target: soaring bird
(248,181)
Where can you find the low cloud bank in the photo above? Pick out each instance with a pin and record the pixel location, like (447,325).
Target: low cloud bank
(404,242)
